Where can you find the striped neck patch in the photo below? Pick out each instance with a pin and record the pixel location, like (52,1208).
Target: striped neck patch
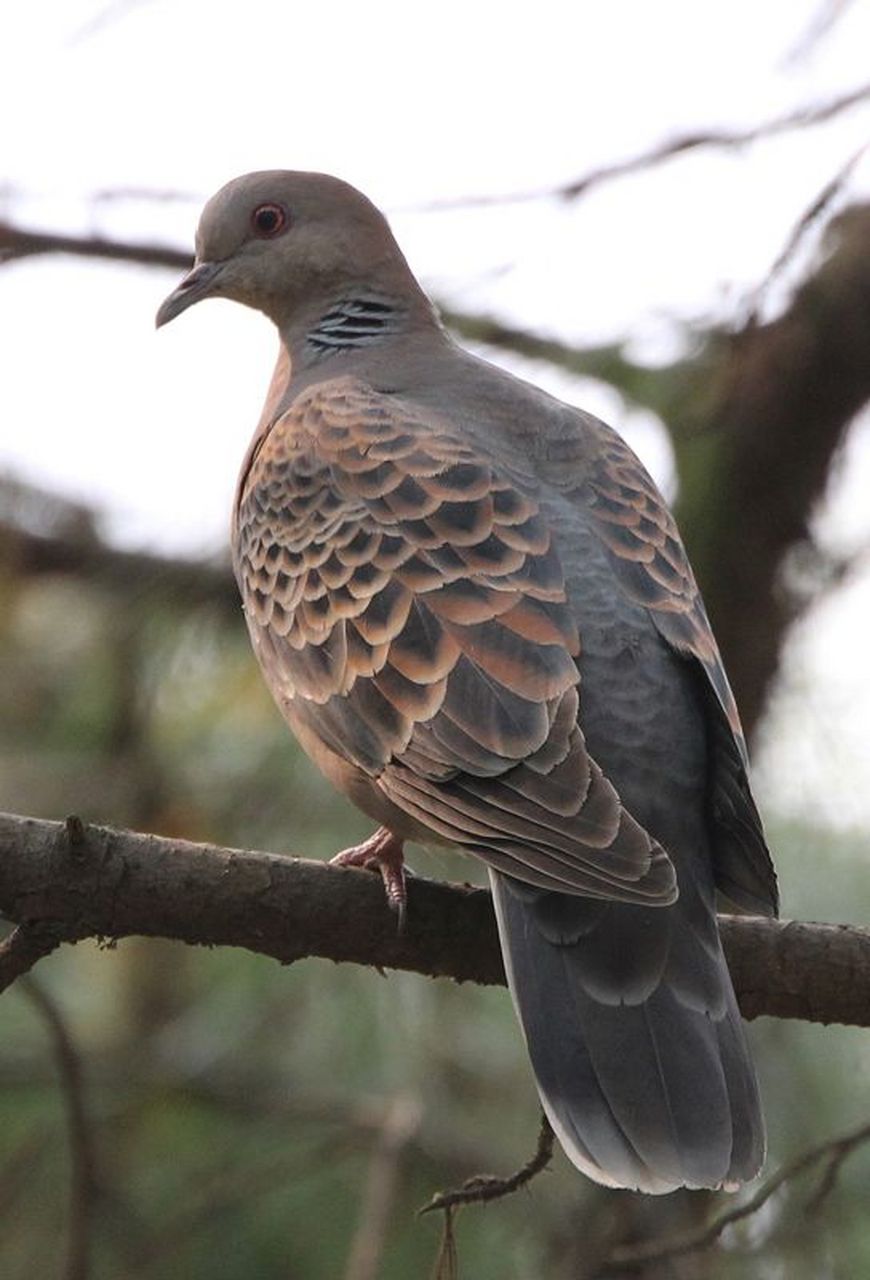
(354,322)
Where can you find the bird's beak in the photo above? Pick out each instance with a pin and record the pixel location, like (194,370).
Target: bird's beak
(197,284)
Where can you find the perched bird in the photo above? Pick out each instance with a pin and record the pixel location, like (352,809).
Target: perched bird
(473,608)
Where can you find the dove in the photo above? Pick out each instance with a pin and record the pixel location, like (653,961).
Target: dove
(473,608)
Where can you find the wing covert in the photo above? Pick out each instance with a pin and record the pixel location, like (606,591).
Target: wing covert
(406,601)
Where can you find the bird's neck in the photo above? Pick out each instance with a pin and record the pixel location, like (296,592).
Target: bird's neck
(355,321)
(358,320)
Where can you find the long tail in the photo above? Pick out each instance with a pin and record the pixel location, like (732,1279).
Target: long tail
(634,1036)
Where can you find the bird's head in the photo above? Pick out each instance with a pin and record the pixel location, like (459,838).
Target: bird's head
(287,243)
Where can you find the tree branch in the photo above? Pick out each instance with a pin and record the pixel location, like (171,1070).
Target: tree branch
(196,582)
(718,139)
(401,1122)
(485,1187)
(111,884)
(18,242)
(834,1150)
(84,1188)
(25,945)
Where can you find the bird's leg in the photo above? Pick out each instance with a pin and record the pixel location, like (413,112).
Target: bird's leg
(383,851)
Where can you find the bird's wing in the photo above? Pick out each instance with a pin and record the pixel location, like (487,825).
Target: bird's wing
(633,521)
(403,592)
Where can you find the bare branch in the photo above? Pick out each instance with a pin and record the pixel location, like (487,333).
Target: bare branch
(821,23)
(124,883)
(32,941)
(808,219)
(25,945)
(720,139)
(481,1189)
(83,1179)
(109,14)
(484,1187)
(400,1123)
(120,883)
(836,1149)
(196,582)
(18,242)
(149,195)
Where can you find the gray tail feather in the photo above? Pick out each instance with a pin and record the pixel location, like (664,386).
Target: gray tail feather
(651,1088)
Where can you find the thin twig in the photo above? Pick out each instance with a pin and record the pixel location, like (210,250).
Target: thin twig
(822,22)
(722,139)
(484,1187)
(84,1190)
(481,1189)
(110,13)
(149,195)
(447,1262)
(839,1149)
(18,242)
(808,219)
(835,1149)
(366,1251)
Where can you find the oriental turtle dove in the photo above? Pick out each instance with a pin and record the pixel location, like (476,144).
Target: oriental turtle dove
(473,608)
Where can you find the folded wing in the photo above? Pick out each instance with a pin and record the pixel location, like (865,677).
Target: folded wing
(404,595)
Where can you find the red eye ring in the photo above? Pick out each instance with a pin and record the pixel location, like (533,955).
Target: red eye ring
(269,220)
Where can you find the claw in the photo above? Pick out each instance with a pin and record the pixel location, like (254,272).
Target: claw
(383,851)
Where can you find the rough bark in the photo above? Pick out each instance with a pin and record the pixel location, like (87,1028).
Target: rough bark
(68,882)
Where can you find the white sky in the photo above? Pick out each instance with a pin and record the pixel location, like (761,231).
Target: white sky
(415,104)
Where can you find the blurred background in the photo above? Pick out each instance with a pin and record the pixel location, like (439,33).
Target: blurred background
(660,212)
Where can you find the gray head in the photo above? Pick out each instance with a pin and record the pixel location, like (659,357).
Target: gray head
(290,243)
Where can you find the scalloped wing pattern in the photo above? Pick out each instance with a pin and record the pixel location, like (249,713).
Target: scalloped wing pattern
(405,597)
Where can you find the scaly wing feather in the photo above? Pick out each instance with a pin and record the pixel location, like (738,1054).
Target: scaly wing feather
(404,595)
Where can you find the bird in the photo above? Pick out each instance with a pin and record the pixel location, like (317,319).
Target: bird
(473,608)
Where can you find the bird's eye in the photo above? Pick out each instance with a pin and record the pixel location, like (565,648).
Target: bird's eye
(269,220)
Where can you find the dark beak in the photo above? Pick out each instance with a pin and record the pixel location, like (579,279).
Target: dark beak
(196,285)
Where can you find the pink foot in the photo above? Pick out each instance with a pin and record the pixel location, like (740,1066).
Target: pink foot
(383,851)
